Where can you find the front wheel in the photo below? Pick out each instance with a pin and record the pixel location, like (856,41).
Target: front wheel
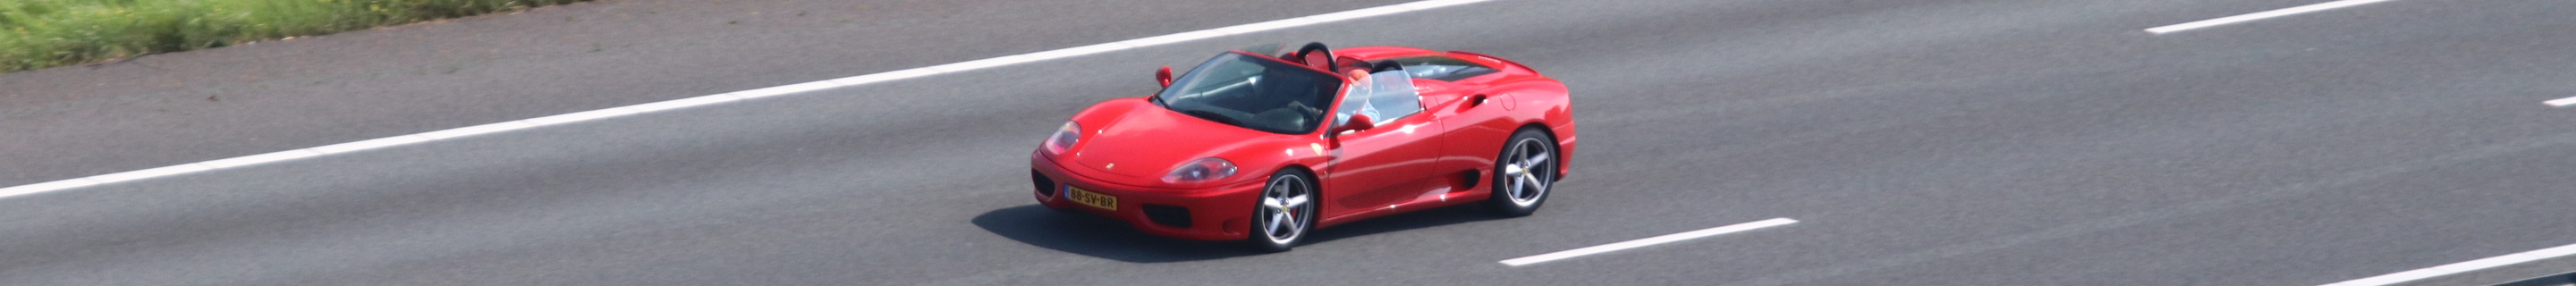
(1523,173)
(1285,213)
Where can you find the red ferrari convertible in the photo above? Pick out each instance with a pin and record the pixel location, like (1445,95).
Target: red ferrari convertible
(1266,144)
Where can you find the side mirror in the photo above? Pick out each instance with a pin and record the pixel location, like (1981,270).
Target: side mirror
(1358,122)
(1164,76)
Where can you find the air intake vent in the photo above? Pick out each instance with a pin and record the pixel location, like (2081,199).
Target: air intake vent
(1046,187)
(1173,216)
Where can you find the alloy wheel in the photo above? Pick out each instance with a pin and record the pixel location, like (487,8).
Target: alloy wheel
(1527,172)
(1286,206)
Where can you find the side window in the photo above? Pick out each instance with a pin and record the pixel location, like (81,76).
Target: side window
(1354,101)
(1443,68)
(1384,96)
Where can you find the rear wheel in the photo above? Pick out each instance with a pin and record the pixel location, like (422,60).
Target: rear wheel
(1523,173)
(1286,211)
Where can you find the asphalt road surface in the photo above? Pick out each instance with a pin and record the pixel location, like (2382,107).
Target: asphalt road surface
(1930,142)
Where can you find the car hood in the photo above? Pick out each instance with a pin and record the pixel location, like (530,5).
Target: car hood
(1148,141)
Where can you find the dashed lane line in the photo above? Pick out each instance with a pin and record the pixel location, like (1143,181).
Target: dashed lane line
(1643,242)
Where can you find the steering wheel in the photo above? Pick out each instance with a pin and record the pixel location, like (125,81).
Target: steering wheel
(1306,55)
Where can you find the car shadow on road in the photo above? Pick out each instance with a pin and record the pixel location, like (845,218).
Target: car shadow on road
(1098,236)
(1420,219)
(1103,237)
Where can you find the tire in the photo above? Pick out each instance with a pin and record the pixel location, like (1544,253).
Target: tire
(1523,173)
(1284,213)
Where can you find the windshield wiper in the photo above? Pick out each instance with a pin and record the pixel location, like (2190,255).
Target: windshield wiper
(1212,116)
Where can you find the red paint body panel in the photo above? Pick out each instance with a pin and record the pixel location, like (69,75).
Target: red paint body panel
(1143,141)
(1415,162)
(1217,221)
(1380,167)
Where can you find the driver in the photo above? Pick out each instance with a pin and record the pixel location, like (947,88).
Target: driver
(1355,100)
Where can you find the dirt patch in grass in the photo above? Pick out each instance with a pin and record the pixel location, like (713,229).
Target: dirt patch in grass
(36,34)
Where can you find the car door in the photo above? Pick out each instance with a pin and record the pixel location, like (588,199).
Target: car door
(1474,121)
(1391,163)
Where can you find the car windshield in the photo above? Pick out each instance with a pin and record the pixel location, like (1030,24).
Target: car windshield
(1244,90)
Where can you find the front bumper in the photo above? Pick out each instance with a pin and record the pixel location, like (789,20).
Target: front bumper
(1218,213)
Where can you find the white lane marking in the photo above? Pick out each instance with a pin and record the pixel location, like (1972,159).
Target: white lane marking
(1624,245)
(370,144)
(153,172)
(2457,268)
(726,97)
(2260,15)
(1266,26)
(46,187)
(1077,51)
(258,159)
(476,130)
(681,103)
(1361,13)
(786,89)
(886,76)
(981,64)
(2562,102)
(579,116)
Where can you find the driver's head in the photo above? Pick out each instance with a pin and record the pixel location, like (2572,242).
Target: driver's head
(1354,64)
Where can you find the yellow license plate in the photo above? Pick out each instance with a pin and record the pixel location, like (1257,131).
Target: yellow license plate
(1092,199)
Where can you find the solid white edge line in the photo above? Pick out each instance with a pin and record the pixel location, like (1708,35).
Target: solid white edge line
(478,130)
(1361,13)
(1668,238)
(578,116)
(370,144)
(2462,267)
(886,76)
(1266,26)
(2260,15)
(153,172)
(2562,102)
(1173,38)
(46,187)
(1078,51)
(683,103)
(785,89)
(983,63)
(725,97)
(1420,5)
(263,158)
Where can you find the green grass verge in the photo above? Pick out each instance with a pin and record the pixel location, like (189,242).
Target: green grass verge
(37,34)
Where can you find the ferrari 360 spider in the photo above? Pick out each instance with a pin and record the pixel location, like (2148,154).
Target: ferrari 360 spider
(1267,144)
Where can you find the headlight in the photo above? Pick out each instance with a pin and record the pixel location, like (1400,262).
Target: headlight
(1200,170)
(1063,139)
